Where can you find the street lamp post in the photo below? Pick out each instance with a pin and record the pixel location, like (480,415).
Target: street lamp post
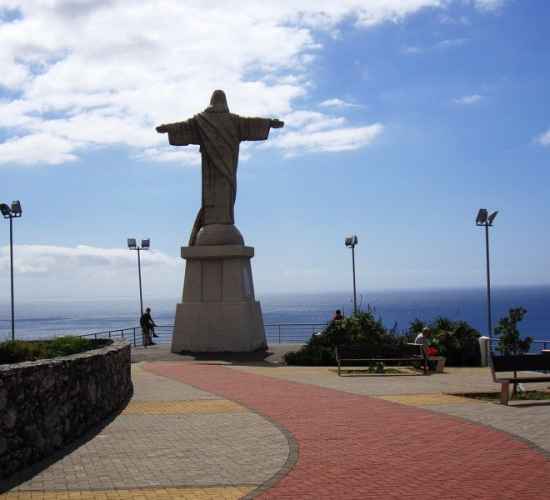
(11,213)
(351,241)
(145,245)
(484,219)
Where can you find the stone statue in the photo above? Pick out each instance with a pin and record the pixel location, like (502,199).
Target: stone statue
(219,133)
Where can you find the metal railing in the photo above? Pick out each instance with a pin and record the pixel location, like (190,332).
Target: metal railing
(545,344)
(276,333)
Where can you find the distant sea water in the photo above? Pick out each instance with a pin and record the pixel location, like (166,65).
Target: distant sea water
(396,308)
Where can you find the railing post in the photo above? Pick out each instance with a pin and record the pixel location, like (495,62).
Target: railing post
(279,326)
(135,337)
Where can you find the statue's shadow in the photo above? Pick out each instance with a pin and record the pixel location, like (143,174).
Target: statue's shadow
(257,358)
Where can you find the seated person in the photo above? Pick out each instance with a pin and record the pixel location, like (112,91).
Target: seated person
(424,337)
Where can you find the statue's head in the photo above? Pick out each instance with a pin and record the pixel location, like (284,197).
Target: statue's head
(218,102)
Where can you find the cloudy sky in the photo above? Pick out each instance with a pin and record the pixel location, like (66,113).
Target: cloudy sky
(403,117)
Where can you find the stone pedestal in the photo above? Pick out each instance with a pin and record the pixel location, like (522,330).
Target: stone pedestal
(218,311)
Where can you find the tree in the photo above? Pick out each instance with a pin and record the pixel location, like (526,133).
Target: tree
(510,342)
(509,338)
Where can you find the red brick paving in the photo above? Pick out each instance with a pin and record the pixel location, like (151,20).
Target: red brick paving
(353,446)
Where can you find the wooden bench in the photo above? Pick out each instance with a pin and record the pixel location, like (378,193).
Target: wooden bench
(515,363)
(354,353)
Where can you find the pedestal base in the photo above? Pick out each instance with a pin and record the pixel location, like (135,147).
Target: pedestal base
(218,311)
(218,327)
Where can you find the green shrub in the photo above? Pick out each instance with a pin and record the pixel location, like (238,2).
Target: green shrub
(456,340)
(65,346)
(18,351)
(362,328)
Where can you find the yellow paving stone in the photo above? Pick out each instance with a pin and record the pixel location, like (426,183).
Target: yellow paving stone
(175,407)
(429,399)
(182,493)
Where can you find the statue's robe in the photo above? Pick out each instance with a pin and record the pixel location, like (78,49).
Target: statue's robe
(219,135)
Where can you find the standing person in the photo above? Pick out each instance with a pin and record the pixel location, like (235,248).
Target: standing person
(147,327)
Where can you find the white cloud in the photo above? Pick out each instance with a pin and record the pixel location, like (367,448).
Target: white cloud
(46,271)
(337,103)
(489,5)
(451,42)
(544,139)
(413,49)
(343,139)
(55,260)
(441,45)
(468,99)
(97,73)
(36,148)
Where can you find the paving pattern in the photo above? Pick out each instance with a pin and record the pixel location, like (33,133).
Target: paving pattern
(207,493)
(436,392)
(224,430)
(356,446)
(171,441)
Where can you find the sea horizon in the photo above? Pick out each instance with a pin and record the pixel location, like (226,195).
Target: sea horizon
(396,307)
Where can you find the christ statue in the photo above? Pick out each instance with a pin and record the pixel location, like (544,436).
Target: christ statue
(219,134)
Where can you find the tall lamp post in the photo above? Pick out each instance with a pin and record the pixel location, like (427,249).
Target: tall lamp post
(11,213)
(485,220)
(351,241)
(145,245)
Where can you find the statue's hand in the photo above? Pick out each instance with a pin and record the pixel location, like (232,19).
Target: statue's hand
(162,129)
(277,123)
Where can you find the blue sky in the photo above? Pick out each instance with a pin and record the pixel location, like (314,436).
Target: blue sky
(403,118)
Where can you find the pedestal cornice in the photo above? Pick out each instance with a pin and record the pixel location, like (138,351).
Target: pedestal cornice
(217,252)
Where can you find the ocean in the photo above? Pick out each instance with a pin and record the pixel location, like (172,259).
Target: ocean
(396,308)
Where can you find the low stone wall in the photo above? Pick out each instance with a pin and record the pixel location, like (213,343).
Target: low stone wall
(46,404)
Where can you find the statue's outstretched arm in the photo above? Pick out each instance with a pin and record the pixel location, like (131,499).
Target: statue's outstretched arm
(274,123)
(166,127)
(180,133)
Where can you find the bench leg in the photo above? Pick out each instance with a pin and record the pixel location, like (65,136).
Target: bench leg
(338,369)
(504,393)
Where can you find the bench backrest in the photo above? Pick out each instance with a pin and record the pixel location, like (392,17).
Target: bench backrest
(357,351)
(520,362)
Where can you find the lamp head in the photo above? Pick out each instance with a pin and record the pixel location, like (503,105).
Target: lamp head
(351,241)
(491,218)
(16,209)
(481,218)
(5,209)
(132,245)
(145,244)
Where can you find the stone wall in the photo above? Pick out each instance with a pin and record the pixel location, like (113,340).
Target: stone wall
(46,404)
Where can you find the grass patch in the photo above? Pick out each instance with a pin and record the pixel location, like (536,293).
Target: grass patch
(18,351)
(494,397)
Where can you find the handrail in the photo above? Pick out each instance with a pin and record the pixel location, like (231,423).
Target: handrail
(276,333)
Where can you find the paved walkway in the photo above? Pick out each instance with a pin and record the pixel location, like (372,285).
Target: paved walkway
(356,446)
(171,441)
(212,429)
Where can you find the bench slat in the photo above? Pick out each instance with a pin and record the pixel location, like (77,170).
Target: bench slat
(520,362)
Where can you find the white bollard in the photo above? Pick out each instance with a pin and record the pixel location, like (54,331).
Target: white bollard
(484,350)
